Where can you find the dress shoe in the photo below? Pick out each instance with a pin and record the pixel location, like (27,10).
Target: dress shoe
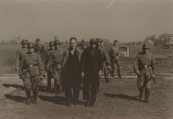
(106,81)
(86,103)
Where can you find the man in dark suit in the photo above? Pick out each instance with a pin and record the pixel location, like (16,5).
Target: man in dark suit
(71,73)
(91,66)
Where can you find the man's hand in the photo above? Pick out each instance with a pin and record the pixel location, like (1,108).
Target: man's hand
(153,76)
(100,74)
(109,67)
(41,77)
(137,72)
(21,77)
(17,68)
(82,74)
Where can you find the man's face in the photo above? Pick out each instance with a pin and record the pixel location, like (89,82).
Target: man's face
(30,50)
(99,43)
(57,46)
(38,42)
(52,47)
(92,45)
(24,45)
(115,43)
(73,43)
(145,50)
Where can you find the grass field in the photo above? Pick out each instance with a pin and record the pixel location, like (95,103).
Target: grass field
(117,99)
(163,58)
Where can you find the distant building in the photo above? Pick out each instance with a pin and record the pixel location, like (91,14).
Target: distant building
(171,39)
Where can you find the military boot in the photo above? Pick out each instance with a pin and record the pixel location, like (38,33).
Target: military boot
(140,93)
(28,94)
(57,89)
(119,73)
(147,94)
(35,93)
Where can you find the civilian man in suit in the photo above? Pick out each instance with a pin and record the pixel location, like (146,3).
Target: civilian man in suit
(71,73)
(91,66)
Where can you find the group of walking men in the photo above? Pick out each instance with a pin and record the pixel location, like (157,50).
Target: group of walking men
(73,66)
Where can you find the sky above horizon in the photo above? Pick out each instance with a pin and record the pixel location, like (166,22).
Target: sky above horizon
(124,20)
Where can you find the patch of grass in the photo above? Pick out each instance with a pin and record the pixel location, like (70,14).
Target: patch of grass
(116,99)
(163,58)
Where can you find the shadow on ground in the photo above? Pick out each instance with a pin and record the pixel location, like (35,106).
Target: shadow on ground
(15,98)
(56,99)
(14,86)
(122,96)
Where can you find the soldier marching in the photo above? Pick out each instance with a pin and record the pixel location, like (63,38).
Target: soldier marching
(69,68)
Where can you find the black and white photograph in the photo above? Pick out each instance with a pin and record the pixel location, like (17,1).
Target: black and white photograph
(86,59)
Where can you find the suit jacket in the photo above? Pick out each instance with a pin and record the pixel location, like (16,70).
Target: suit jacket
(65,56)
(92,61)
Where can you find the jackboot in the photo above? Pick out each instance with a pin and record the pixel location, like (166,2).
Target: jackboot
(57,89)
(119,73)
(147,95)
(28,94)
(35,93)
(140,93)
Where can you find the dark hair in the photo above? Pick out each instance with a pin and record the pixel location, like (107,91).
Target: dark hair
(73,38)
(37,39)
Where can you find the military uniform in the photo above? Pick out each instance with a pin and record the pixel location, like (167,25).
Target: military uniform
(39,49)
(20,53)
(48,66)
(144,66)
(56,59)
(114,55)
(30,71)
(106,60)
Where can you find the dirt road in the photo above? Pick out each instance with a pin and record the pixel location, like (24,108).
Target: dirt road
(116,99)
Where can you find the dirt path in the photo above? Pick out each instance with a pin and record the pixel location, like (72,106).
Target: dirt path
(116,99)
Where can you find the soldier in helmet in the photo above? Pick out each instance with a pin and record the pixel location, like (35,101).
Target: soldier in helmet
(38,48)
(114,55)
(31,70)
(105,57)
(144,67)
(91,67)
(20,53)
(48,66)
(55,61)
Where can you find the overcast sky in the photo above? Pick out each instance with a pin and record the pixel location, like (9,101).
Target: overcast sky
(124,20)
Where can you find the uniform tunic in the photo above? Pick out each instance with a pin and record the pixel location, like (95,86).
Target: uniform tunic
(19,54)
(56,59)
(31,68)
(106,59)
(146,65)
(48,66)
(114,55)
(39,49)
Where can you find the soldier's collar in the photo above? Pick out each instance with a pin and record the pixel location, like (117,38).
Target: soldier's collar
(57,48)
